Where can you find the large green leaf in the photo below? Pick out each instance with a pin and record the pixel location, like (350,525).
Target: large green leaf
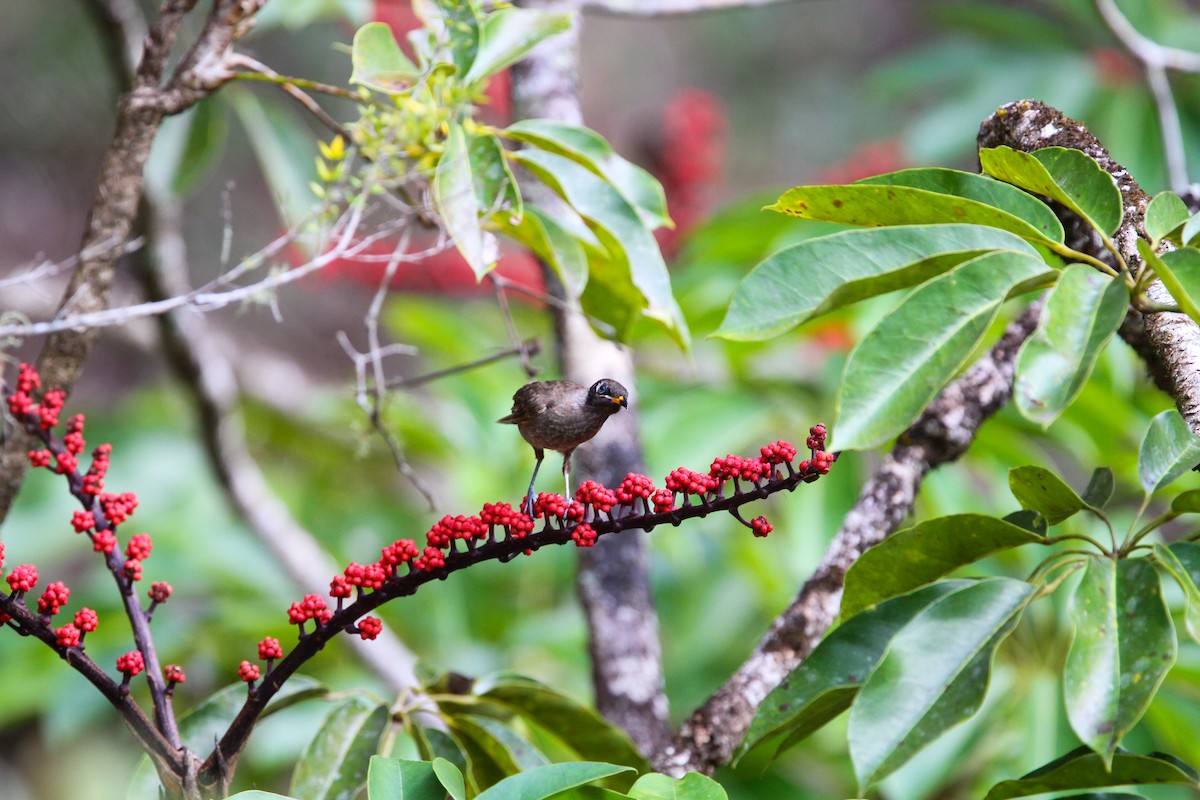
(977,187)
(1180,273)
(398,779)
(588,148)
(283,145)
(379,63)
(554,244)
(1040,490)
(1182,561)
(333,765)
(458,25)
(502,744)
(578,725)
(1084,310)
(451,778)
(1100,488)
(922,554)
(819,275)
(1165,212)
(1083,769)
(693,786)
(633,252)
(825,684)
(913,352)
(508,35)
(1069,176)
(1169,450)
(863,204)
(933,677)
(542,782)
(495,185)
(458,206)
(1123,647)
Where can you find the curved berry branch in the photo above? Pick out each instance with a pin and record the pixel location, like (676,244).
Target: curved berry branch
(502,533)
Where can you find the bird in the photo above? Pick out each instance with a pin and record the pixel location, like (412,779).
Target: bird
(560,416)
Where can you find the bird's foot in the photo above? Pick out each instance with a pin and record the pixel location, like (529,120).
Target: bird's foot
(527,506)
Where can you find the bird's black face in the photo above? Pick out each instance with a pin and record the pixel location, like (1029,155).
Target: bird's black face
(607,393)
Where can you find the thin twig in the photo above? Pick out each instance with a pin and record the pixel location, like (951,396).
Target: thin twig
(530,347)
(510,327)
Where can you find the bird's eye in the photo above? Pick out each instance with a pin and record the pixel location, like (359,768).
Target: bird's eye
(602,388)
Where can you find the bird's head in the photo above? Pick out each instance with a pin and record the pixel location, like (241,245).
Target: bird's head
(608,394)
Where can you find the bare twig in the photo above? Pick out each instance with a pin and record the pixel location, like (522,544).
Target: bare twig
(295,88)
(1157,59)
(511,328)
(529,347)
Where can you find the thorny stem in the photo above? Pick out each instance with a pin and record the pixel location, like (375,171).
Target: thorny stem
(555,531)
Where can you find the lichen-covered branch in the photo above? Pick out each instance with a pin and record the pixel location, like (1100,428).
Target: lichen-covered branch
(1171,346)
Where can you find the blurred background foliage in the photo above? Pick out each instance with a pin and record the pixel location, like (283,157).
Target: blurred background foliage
(815,91)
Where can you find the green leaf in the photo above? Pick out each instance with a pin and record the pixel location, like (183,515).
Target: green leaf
(1182,561)
(399,779)
(632,250)
(977,187)
(458,206)
(1186,502)
(866,205)
(451,778)
(901,365)
(334,763)
(1123,647)
(1169,450)
(495,185)
(826,683)
(284,147)
(578,725)
(186,147)
(692,786)
(589,149)
(1190,231)
(1083,769)
(542,782)
(1180,273)
(1165,213)
(550,241)
(819,275)
(1069,176)
(1039,489)
(922,554)
(378,61)
(933,677)
(1029,520)
(1082,313)
(508,35)
(1100,488)
(458,27)
(435,743)
(501,743)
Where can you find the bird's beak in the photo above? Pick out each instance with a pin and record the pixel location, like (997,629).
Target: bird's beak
(619,400)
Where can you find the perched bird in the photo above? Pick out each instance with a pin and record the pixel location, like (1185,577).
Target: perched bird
(560,416)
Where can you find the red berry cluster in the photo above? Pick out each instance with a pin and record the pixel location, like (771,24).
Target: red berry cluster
(140,546)
(174,674)
(515,523)
(370,627)
(370,576)
(131,664)
(23,578)
(584,535)
(248,672)
(159,592)
(686,481)
(760,526)
(449,528)
(54,597)
(598,497)
(633,486)
(118,507)
(269,649)
(311,607)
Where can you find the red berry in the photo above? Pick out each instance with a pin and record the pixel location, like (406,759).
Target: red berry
(369,627)
(23,578)
(67,636)
(131,663)
(174,673)
(269,649)
(761,526)
(54,597)
(584,535)
(86,620)
(133,569)
(104,542)
(39,458)
(635,485)
(340,586)
(664,501)
(248,672)
(139,547)
(778,452)
(160,591)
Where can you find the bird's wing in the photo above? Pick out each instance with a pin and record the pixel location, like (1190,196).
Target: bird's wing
(525,408)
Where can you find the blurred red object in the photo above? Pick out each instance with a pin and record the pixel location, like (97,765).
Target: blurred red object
(873,158)
(688,160)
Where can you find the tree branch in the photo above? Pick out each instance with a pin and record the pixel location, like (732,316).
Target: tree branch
(1172,341)
(942,433)
(613,579)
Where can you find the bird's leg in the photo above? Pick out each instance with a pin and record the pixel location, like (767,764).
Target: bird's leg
(530,497)
(567,475)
